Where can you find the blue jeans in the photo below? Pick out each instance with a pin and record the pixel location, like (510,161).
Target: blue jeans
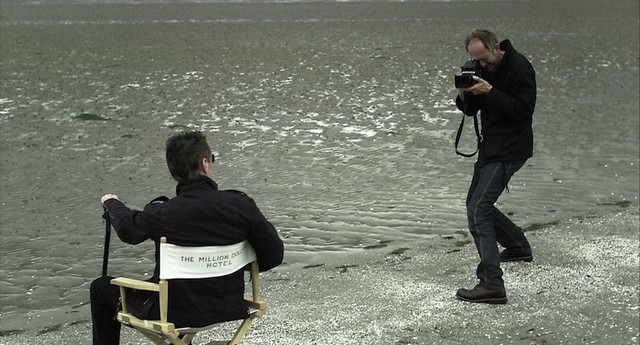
(487,224)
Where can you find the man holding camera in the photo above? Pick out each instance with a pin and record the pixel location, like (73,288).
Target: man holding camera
(504,91)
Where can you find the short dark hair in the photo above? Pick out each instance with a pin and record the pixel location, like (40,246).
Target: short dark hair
(184,153)
(488,39)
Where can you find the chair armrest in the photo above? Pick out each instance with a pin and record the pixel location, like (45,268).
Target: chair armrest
(135,284)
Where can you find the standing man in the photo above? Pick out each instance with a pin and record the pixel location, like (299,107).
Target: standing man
(201,215)
(505,95)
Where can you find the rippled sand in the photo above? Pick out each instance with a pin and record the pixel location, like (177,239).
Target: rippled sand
(581,288)
(336,117)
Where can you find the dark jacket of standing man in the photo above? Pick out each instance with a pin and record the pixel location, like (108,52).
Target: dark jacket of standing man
(506,98)
(200,214)
(506,109)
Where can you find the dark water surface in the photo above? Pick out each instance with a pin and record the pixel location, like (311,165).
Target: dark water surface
(337,118)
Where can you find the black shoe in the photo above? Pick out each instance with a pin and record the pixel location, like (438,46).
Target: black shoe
(516,255)
(480,294)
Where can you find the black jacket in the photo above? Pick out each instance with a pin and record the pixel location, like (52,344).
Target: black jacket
(202,215)
(506,112)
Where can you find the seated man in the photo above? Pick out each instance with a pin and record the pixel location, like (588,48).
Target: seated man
(200,215)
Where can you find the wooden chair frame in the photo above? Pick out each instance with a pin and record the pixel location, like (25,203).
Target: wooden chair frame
(162,331)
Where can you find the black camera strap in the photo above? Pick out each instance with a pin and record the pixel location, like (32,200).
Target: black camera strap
(478,136)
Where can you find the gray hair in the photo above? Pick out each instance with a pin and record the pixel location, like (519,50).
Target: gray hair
(488,39)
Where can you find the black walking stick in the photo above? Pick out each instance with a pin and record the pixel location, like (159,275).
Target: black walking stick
(107,240)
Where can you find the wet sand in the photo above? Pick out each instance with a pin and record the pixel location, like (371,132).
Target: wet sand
(337,118)
(581,288)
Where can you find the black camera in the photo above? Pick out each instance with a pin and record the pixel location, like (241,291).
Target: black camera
(469,69)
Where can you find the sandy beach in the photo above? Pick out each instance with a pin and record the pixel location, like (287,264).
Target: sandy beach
(338,119)
(581,288)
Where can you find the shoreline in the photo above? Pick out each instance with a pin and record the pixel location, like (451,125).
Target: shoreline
(581,288)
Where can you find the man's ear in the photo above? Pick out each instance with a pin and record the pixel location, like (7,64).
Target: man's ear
(204,166)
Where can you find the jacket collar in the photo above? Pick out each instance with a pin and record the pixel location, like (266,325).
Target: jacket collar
(200,182)
(508,50)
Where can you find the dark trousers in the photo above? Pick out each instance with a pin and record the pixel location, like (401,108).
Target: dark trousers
(104,305)
(487,224)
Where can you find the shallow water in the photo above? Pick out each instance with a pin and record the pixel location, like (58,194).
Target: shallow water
(337,118)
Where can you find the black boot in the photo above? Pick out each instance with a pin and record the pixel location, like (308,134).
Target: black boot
(516,255)
(480,294)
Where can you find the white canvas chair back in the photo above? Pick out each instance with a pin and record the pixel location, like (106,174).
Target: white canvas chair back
(177,262)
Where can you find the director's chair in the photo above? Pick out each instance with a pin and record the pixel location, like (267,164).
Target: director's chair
(174,266)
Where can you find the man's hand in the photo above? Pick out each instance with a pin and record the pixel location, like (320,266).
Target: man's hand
(481,87)
(107,197)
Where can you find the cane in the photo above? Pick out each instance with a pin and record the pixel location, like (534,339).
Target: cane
(107,240)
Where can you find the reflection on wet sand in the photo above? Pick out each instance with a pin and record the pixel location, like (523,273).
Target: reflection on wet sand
(336,118)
